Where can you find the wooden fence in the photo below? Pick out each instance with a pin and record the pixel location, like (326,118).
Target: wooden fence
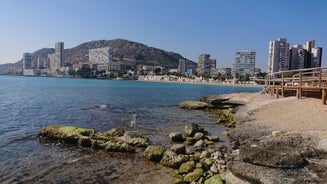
(298,82)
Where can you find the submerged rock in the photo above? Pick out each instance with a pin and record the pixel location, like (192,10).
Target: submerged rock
(194,105)
(115,140)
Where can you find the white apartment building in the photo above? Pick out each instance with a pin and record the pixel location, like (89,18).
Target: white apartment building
(279,55)
(101,57)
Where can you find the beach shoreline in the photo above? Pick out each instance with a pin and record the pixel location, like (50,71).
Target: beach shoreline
(263,122)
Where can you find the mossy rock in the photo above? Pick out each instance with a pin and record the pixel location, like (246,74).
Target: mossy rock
(215,179)
(154,153)
(187,167)
(193,176)
(68,134)
(117,147)
(179,181)
(194,105)
(226,118)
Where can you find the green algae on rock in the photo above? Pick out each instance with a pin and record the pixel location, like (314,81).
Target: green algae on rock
(194,105)
(114,141)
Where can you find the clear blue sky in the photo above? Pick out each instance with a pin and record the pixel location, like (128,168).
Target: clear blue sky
(188,27)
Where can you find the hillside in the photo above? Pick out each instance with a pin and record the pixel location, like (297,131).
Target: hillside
(128,52)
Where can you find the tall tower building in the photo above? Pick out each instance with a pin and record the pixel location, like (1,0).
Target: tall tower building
(279,55)
(182,66)
(316,55)
(59,53)
(244,62)
(298,57)
(27,61)
(204,64)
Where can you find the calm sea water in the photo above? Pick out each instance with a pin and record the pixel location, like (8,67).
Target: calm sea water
(30,103)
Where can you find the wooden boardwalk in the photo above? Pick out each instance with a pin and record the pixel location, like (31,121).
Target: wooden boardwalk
(311,81)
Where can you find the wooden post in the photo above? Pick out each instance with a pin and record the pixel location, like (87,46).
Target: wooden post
(283,84)
(320,77)
(323,96)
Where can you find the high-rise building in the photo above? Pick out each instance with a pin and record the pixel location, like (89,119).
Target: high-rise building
(244,63)
(282,58)
(101,57)
(298,57)
(56,60)
(204,64)
(316,55)
(182,66)
(59,52)
(27,61)
(279,55)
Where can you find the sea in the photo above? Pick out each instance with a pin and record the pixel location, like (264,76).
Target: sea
(29,103)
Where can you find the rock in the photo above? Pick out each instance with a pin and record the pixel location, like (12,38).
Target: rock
(192,128)
(194,105)
(276,133)
(179,181)
(116,132)
(178,148)
(193,176)
(199,136)
(85,141)
(205,154)
(278,152)
(117,147)
(214,169)
(199,145)
(172,159)
(187,167)
(176,137)
(67,134)
(190,140)
(154,153)
(215,179)
(217,155)
(213,138)
(134,138)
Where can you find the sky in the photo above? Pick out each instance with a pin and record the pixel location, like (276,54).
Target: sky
(189,27)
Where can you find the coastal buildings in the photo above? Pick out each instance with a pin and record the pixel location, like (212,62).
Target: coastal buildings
(56,60)
(27,64)
(282,57)
(101,58)
(205,64)
(279,55)
(182,66)
(244,63)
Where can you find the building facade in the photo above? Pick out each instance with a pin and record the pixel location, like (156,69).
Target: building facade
(205,64)
(244,63)
(279,55)
(182,66)
(101,58)
(282,57)
(298,57)
(56,60)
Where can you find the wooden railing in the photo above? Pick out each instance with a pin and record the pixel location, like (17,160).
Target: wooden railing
(310,80)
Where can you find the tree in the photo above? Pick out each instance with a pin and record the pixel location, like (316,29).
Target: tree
(157,71)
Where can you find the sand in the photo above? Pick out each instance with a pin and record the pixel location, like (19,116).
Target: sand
(307,116)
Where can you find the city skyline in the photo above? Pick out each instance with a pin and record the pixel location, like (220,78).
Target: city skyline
(190,28)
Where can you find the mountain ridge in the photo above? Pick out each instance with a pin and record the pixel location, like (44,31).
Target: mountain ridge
(130,53)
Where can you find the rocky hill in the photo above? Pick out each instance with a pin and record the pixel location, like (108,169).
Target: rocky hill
(128,52)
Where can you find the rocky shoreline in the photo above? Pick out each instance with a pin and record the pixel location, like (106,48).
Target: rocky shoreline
(263,154)
(258,153)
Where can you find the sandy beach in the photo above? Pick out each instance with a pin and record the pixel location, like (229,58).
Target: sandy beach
(263,121)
